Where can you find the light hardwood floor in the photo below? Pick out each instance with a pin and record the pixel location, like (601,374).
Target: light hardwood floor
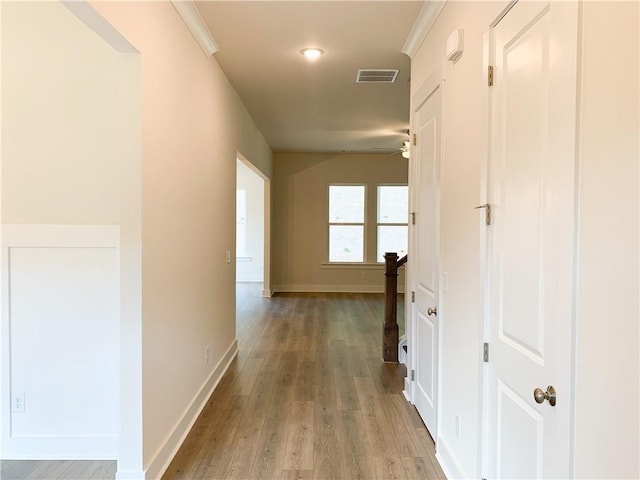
(57,470)
(307,397)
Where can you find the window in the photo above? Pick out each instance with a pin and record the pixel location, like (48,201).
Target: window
(393,214)
(346,223)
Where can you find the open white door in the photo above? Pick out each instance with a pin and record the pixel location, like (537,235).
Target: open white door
(424,256)
(531,240)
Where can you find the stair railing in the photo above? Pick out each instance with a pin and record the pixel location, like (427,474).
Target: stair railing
(390,333)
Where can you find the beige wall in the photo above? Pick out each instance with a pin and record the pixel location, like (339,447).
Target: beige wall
(300,216)
(193,125)
(61,147)
(607,443)
(606,342)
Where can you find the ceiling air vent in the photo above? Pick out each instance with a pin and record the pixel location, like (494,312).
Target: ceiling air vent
(376,75)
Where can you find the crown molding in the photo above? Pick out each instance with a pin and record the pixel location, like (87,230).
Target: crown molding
(421,27)
(194,22)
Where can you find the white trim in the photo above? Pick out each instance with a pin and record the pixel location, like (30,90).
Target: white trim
(352,266)
(402,355)
(164,455)
(266,267)
(196,25)
(448,462)
(130,475)
(407,390)
(316,288)
(434,81)
(41,236)
(422,26)
(92,19)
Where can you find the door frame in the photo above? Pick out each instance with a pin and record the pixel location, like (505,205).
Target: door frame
(266,274)
(434,81)
(485,239)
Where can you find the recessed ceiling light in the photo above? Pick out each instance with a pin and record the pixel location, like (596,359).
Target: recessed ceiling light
(311,53)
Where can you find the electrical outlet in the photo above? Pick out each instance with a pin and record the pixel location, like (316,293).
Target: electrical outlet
(228,256)
(206,355)
(17,404)
(457,425)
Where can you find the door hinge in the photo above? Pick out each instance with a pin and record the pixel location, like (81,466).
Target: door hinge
(413,375)
(415,140)
(413,218)
(490,76)
(485,353)
(413,297)
(487,213)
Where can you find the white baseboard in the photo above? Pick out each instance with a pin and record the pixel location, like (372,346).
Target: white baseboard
(267,293)
(129,475)
(61,448)
(402,355)
(316,288)
(448,462)
(407,390)
(174,440)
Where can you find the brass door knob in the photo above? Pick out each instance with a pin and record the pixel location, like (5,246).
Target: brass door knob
(540,395)
(432,311)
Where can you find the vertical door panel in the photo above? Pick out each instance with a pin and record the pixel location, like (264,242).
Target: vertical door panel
(424,257)
(531,181)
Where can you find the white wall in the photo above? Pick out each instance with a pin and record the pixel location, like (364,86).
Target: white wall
(606,343)
(67,137)
(607,408)
(193,126)
(250,245)
(61,313)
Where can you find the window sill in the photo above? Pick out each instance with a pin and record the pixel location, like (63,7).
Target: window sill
(352,266)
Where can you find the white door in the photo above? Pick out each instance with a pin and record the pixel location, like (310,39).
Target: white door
(424,256)
(531,192)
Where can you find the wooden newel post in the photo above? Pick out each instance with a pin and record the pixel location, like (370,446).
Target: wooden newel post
(390,335)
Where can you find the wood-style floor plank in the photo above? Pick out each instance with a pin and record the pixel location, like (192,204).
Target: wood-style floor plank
(314,399)
(324,404)
(57,470)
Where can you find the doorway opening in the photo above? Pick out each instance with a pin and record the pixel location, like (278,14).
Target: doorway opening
(252,229)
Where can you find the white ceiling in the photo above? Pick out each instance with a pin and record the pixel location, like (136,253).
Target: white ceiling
(316,106)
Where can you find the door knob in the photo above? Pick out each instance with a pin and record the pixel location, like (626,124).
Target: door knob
(540,396)
(432,311)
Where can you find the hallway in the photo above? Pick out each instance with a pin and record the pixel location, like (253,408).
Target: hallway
(308,397)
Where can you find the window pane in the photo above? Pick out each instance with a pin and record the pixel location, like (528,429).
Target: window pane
(346,243)
(393,203)
(346,204)
(392,239)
